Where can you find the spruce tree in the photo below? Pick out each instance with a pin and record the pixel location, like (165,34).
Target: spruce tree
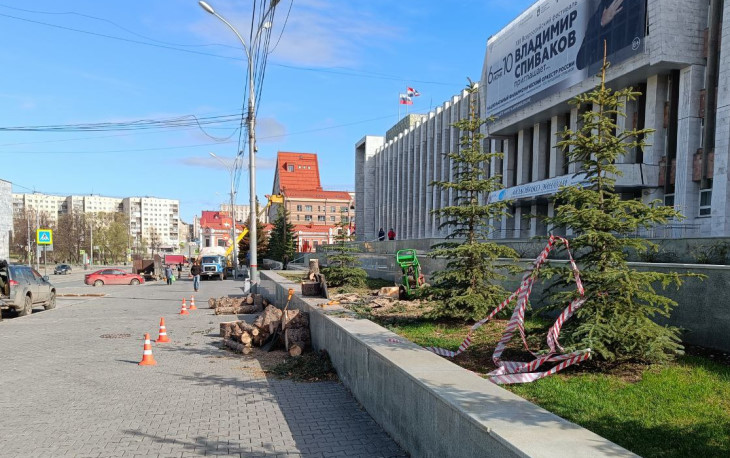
(342,264)
(282,240)
(616,318)
(469,286)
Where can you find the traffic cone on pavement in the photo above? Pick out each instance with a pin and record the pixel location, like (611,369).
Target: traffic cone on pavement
(184,309)
(192,303)
(163,332)
(147,358)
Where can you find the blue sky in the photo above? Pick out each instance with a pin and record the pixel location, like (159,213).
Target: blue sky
(334,77)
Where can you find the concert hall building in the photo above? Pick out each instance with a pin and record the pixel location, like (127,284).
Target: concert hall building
(669,50)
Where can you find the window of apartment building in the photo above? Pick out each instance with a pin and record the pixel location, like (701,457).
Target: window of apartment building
(308,208)
(290,168)
(297,217)
(332,209)
(706,202)
(299,208)
(345,219)
(307,217)
(343,209)
(332,218)
(320,218)
(669,200)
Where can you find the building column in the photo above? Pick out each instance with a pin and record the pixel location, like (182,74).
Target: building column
(655,149)
(720,225)
(686,191)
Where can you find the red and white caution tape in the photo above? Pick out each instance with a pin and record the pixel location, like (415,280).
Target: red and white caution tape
(508,372)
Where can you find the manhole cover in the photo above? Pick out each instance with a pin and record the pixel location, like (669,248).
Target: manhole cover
(115,336)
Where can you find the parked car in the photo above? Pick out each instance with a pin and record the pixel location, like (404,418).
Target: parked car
(21,288)
(112,277)
(62,269)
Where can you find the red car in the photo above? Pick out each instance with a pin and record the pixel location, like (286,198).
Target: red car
(112,277)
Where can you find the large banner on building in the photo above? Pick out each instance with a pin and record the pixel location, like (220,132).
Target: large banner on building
(556,44)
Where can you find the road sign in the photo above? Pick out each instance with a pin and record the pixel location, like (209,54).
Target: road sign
(44,236)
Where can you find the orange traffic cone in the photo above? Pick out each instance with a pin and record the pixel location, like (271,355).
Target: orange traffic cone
(192,303)
(163,332)
(147,358)
(184,309)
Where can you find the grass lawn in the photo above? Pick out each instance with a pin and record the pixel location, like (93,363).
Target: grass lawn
(676,410)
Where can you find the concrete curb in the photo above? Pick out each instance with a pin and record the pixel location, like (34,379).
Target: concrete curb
(430,406)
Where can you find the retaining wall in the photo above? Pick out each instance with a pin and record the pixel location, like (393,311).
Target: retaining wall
(430,406)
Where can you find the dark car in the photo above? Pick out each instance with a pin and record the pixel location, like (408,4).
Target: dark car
(112,277)
(21,288)
(62,269)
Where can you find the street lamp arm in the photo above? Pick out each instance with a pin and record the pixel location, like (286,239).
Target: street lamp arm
(209,9)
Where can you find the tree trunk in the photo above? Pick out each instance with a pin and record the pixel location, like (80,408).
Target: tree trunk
(244,349)
(227,328)
(297,338)
(235,310)
(294,319)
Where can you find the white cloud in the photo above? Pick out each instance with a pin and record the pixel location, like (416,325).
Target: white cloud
(210,162)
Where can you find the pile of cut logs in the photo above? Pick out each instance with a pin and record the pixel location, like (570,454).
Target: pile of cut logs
(289,327)
(253,303)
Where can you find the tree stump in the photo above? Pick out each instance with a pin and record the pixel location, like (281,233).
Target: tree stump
(294,319)
(296,340)
(313,268)
(311,288)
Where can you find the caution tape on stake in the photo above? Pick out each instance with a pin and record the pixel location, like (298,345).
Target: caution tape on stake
(509,372)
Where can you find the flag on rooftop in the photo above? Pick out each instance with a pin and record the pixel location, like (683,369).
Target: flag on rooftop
(412,92)
(405,99)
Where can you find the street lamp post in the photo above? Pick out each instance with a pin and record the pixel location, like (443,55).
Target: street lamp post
(232,170)
(251,119)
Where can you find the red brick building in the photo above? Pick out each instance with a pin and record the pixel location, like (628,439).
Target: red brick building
(313,211)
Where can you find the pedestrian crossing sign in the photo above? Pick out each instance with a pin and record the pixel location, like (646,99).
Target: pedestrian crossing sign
(44,236)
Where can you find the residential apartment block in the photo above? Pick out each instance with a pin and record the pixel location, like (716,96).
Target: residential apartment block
(150,218)
(668,50)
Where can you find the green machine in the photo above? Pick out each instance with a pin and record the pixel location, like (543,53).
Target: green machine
(412,278)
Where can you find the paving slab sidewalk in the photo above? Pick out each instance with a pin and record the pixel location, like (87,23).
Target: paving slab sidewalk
(72,387)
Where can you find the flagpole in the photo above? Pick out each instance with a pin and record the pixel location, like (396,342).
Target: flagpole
(406,103)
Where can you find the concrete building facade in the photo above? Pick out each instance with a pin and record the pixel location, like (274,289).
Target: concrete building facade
(673,56)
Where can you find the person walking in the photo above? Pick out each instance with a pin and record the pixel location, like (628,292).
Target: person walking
(168,274)
(195,272)
(391,234)
(381,234)
(179,271)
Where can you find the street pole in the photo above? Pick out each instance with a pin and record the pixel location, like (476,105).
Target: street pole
(91,251)
(251,119)
(37,246)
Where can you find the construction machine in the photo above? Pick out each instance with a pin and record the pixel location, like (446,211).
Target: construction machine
(412,278)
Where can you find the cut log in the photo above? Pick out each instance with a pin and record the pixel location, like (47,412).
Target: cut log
(239,347)
(311,289)
(389,291)
(246,338)
(313,268)
(297,337)
(236,310)
(211,303)
(295,350)
(271,319)
(294,319)
(226,328)
(249,300)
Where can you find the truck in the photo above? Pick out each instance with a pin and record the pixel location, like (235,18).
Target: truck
(175,259)
(150,269)
(213,262)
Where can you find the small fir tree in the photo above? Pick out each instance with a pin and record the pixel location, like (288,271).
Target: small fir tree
(616,318)
(468,288)
(342,264)
(282,240)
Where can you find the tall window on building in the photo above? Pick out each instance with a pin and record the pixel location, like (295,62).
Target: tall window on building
(320,218)
(290,168)
(299,208)
(307,217)
(706,202)
(308,208)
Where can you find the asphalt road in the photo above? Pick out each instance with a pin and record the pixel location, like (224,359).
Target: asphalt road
(71,385)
